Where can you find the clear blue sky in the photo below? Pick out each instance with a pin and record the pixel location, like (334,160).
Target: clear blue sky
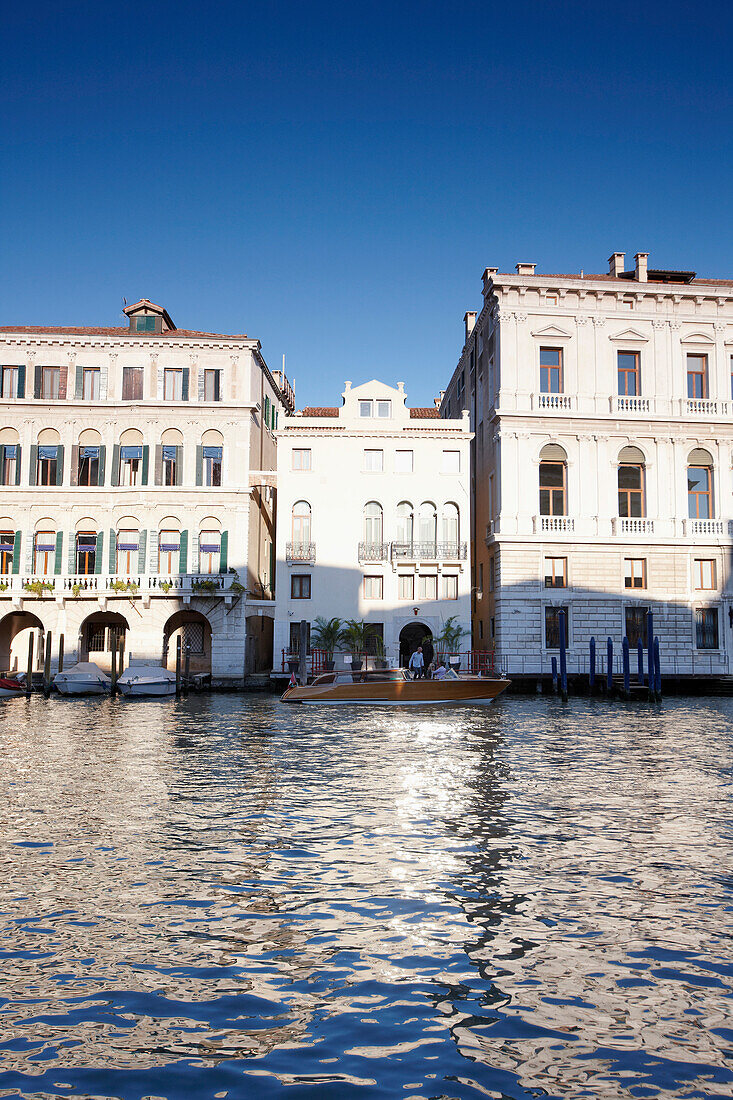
(333,178)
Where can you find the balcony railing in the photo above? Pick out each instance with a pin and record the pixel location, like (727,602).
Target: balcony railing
(636,405)
(79,585)
(430,551)
(623,525)
(554,523)
(703,407)
(553,402)
(300,551)
(373,551)
(701,528)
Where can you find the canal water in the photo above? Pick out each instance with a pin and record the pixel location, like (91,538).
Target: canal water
(228,897)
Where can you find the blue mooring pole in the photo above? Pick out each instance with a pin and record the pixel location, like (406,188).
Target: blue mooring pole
(554,673)
(650,651)
(563,658)
(627,673)
(609,664)
(657,672)
(592,673)
(640,660)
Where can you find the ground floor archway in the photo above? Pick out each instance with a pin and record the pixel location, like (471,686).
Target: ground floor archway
(411,636)
(194,630)
(15,630)
(97,634)
(258,643)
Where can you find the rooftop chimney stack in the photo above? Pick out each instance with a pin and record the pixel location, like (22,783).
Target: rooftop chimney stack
(469,320)
(526,269)
(616,263)
(641,262)
(489,273)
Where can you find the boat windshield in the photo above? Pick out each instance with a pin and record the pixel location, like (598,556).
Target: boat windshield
(379,676)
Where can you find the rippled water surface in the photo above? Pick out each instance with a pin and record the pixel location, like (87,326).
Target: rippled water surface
(229,897)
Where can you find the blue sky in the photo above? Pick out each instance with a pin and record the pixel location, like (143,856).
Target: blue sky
(333,179)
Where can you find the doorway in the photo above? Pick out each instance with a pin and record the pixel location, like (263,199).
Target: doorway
(411,636)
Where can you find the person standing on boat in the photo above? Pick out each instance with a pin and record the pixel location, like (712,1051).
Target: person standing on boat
(417,664)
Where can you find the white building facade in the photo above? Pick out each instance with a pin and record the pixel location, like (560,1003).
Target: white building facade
(373,519)
(601,467)
(136,507)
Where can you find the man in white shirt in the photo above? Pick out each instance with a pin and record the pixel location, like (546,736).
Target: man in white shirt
(417,664)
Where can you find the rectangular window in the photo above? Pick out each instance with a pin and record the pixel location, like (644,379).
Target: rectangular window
(384,409)
(170,463)
(705,574)
(373,461)
(96,636)
(131,462)
(451,462)
(629,373)
(302,457)
(706,627)
(145,324)
(556,572)
(552,489)
(128,543)
(551,379)
(635,573)
(631,491)
(699,492)
(47,465)
(212,466)
(492,575)
(169,547)
(8,468)
(7,544)
(209,552)
(406,586)
(481,630)
(50,383)
(44,553)
(132,383)
(627,303)
(295,638)
(88,469)
(552,627)
(697,376)
(172,384)
(212,385)
(90,384)
(192,638)
(366,408)
(427,586)
(86,552)
(450,586)
(300,586)
(9,382)
(403,462)
(373,588)
(636,620)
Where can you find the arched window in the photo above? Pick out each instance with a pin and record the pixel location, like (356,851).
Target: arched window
(450,528)
(89,463)
(631,483)
(373,523)
(50,460)
(131,458)
(405,524)
(210,545)
(169,458)
(700,485)
(428,523)
(85,548)
(9,457)
(301,524)
(44,548)
(209,458)
(553,481)
(128,546)
(169,546)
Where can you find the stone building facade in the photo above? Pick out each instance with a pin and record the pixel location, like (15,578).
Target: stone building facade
(601,466)
(137,497)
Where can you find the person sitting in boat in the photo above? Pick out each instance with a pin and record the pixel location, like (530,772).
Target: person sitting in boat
(417,664)
(440,671)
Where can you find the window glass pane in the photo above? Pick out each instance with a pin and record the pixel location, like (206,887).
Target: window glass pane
(373,461)
(406,586)
(451,462)
(450,587)
(365,408)
(552,474)
(403,462)
(384,408)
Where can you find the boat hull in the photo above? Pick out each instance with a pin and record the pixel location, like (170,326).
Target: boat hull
(81,687)
(467,689)
(161,687)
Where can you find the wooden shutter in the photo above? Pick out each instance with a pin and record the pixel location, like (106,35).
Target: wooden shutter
(201,383)
(160,383)
(146,463)
(100,550)
(17,463)
(60,464)
(72,553)
(224,553)
(102,456)
(21,380)
(79,386)
(184,384)
(59,548)
(179,465)
(195,553)
(153,555)
(63,371)
(115,471)
(158,464)
(37,382)
(217,386)
(142,544)
(74,471)
(16,552)
(199,465)
(33,468)
(103,377)
(112,560)
(183,553)
(29,552)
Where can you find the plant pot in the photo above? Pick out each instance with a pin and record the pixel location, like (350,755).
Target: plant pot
(293,664)
(381,662)
(356,663)
(329,665)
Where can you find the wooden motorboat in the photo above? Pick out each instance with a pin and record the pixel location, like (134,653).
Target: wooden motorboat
(395,686)
(9,686)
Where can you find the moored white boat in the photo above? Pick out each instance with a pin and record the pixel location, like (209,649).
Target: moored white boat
(147,680)
(84,678)
(390,686)
(9,686)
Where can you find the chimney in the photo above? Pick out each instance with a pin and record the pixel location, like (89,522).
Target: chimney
(489,274)
(526,269)
(641,261)
(616,264)
(469,320)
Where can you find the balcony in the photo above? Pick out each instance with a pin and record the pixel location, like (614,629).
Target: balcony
(704,528)
(373,551)
(697,406)
(301,552)
(634,406)
(558,524)
(96,586)
(553,402)
(429,551)
(623,525)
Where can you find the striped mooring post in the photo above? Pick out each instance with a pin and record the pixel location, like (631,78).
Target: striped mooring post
(563,658)
(609,664)
(554,673)
(625,657)
(592,672)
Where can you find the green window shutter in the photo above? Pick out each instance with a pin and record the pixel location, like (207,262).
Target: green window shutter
(37,382)
(60,464)
(224,554)
(79,385)
(183,553)
(59,548)
(16,553)
(146,463)
(72,553)
(115,471)
(18,455)
(267,411)
(142,546)
(158,464)
(102,456)
(33,467)
(272,568)
(199,465)
(99,552)
(179,465)
(184,383)
(21,380)
(112,550)
(153,555)
(74,468)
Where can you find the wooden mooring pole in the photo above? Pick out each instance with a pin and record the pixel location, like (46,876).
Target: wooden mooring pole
(650,651)
(627,670)
(609,665)
(592,672)
(61,653)
(187,668)
(563,658)
(113,669)
(29,670)
(47,666)
(178,665)
(303,652)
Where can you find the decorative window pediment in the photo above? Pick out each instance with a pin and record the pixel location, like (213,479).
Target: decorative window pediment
(552,332)
(697,338)
(629,334)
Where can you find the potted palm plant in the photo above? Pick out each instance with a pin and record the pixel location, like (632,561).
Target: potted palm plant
(353,637)
(326,635)
(376,647)
(449,640)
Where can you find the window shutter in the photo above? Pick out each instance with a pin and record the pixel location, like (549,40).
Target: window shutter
(115,471)
(37,382)
(158,464)
(184,383)
(217,386)
(100,549)
(183,553)
(62,383)
(195,553)
(60,464)
(153,556)
(179,465)
(201,384)
(72,553)
(199,465)
(160,383)
(29,552)
(16,553)
(142,544)
(21,380)
(102,456)
(103,376)
(18,451)
(74,471)
(79,386)
(224,555)
(146,463)
(112,561)
(267,411)
(59,548)
(33,467)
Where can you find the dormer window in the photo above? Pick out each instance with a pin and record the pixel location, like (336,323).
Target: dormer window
(366,408)
(145,324)
(146,317)
(382,409)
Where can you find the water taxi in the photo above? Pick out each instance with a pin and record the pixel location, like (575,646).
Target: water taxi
(395,685)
